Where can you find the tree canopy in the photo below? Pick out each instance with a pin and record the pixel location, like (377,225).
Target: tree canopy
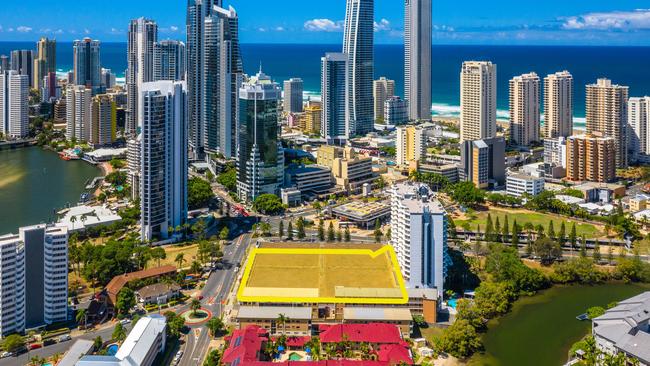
(199,193)
(269,204)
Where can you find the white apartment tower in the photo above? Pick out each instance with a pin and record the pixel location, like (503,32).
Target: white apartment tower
(606,112)
(639,138)
(293,89)
(163,158)
(78,112)
(14,94)
(34,278)
(382,89)
(417,57)
(358,43)
(419,235)
(143,35)
(524,109)
(169,60)
(558,105)
(478,100)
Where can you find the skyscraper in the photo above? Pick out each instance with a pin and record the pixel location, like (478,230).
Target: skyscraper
(558,105)
(478,100)
(45,61)
(358,43)
(35,266)
(22,61)
(14,94)
(169,60)
(638,119)
(483,162)
(606,112)
(293,89)
(396,111)
(334,71)
(197,11)
(222,76)
(4,63)
(417,57)
(108,78)
(87,64)
(102,121)
(143,34)
(524,109)
(419,235)
(78,113)
(163,158)
(260,160)
(382,89)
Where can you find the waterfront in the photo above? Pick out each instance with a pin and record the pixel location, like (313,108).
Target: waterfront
(540,329)
(34,182)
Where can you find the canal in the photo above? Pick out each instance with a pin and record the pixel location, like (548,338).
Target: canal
(34,183)
(540,329)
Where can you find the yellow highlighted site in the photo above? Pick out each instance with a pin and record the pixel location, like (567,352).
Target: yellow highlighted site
(336,274)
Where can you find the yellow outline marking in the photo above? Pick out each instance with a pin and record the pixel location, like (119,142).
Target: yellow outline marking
(335,300)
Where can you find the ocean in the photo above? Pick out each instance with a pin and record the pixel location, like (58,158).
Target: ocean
(624,65)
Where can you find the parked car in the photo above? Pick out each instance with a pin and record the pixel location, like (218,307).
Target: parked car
(5,354)
(125,321)
(34,346)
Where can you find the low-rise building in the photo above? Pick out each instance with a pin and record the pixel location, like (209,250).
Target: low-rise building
(363,214)
(449,171)
(601,192)
(143,344)
(625,329)
(291,197)
(350,171)
(159,293)
(520,184)
(118,282)
(310,180)
(483,162)
(638,203)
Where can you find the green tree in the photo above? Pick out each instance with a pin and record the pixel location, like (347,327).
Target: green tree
(551,230)
(321,230)
(489,229)
(493,298)
(125,300)
(573,237)
(506,230)
(175,323)
(80,316)
(339,235)
(378,233)
(515,234)
(562,234)
(119,334)
(595,312)
(268,204)
(300,227)
(224,234)
(282,320)
(195,305)
(466,194)
(98,343)
(583,247)
(180,259)
(596,254)
(158,254)
(460,340)
(330,232)
(215,326)
(290,231)
(281,229)
(346,235)
(228,179)
(199,193)
(13,343)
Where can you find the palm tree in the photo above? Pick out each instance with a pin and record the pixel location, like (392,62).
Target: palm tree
(180,258)
(83,219)
(283,319)
(81,315)
(195,305)
(73,219)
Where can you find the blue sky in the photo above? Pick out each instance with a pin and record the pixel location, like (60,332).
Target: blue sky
(589,22)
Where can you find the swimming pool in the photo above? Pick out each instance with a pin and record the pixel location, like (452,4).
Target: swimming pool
(452,303)
(294,357)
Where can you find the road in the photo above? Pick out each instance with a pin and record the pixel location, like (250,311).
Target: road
(215,291)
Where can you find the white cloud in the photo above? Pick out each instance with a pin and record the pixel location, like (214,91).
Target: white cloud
(10,30)
(615,20)
(86,31)
(58,31)
(279,29)
(382,25)
(443,28)
(323,25)
(116,31)
(23,29)
(261,29)
(173,28)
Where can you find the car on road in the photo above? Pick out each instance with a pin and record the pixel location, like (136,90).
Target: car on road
(125,321)
(5,354)
(34,346)
(64,338)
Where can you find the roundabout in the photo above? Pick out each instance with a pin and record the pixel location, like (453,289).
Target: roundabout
(199,316)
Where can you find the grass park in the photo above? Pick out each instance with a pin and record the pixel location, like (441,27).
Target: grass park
(535,218)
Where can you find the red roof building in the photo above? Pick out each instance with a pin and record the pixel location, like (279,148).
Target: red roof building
(374,333)
(245,345)
(394,354)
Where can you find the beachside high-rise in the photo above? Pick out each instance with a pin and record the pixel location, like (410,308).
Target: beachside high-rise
(558,105)
(478,100)
(143,34)
(606,112)
(14,94)
(163,158)
(358,42)
(417,58)
(524,109)
(334,71)
(87,64)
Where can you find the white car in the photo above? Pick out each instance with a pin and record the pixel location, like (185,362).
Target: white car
(125,321)
(5,354)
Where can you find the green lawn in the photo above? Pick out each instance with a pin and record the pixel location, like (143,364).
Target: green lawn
(536,218)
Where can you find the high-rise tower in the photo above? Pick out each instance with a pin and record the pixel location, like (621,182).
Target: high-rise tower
(417,58)
(143,34)
(87,64)
(478,100)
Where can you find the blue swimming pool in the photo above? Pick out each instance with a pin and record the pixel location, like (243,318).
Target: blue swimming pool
(452,303)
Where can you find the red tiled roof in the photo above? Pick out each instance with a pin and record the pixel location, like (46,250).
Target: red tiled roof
(245,345)
(295,341)
(118,282)
(377,333)
(394,354)
(318,363)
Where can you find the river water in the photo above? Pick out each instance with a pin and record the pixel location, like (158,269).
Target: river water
(34,183)
(540,329)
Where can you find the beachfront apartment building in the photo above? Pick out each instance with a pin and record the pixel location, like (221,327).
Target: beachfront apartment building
(14,94)
(417,58)
(606,112)
(33,278)
(639,138)
(382,89)
(558,105)
(478,100)
(293,95)
(142,36)
(524,109)
(334,71)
